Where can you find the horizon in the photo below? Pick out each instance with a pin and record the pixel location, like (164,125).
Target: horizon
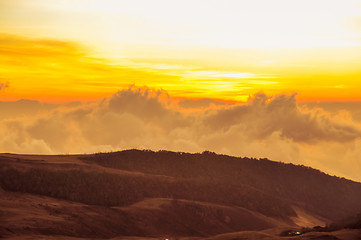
(269,79)
(178,152)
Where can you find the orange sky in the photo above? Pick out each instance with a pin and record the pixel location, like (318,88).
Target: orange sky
(259,78)
(62,51)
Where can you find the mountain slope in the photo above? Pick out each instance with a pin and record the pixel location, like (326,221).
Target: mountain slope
(164,194)
(331,197)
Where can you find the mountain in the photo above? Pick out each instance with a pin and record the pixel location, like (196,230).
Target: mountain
(141,194)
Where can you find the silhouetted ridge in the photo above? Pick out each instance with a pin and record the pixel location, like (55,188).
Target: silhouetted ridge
(326,195)
(127,177)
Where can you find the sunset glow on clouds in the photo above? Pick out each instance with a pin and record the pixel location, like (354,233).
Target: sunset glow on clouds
(81,50)
(149,119)
(63,71)
(277,79)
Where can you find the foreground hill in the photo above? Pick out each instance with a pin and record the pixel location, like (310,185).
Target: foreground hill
(165,194)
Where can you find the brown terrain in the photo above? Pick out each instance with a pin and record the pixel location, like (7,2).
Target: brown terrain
(137,194)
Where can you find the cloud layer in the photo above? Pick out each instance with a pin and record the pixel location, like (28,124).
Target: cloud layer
(277,128)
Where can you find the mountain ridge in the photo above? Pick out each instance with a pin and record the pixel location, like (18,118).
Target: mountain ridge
(204,194)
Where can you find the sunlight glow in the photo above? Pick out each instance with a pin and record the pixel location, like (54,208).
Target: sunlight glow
(65,49)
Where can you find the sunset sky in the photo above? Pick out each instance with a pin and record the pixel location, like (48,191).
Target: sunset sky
(262,78)
(63,50)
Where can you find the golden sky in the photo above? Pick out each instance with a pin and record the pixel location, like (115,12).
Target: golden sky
(70,50)
(259,78)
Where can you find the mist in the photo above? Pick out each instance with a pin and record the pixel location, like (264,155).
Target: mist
(276,127)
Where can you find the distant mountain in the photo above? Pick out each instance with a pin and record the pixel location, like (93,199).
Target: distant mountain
(142,193)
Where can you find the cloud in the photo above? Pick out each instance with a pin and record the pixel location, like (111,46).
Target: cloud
(260,118)
(23,108)
(274,127)
(29,63)
(3,85)
(200,103)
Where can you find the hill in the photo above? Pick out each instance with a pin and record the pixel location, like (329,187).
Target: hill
(164,194)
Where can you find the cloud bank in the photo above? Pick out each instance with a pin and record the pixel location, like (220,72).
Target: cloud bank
(274,127)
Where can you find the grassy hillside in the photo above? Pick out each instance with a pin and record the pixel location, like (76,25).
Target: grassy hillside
(155,194)
(112,189)
(276,183)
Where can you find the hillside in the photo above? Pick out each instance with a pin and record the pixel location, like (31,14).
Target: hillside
(166,194)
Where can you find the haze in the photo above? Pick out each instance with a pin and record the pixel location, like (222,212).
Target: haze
(276,79)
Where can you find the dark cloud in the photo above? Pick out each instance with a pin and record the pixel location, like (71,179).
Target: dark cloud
(3,85)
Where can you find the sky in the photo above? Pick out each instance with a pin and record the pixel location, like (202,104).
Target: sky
(277,79)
